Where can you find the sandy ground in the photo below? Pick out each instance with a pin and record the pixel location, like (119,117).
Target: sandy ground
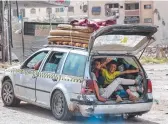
(159,76)
(30,114)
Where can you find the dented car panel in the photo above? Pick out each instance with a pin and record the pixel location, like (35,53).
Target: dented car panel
(87,110)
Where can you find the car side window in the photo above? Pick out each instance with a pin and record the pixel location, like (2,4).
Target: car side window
(75,65)
(35,60)
(53,62)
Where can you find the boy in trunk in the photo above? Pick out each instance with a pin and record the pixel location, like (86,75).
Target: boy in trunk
(112,83)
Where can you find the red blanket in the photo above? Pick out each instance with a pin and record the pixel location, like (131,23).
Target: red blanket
(93,24)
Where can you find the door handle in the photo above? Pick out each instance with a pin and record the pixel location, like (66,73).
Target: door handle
(54,79)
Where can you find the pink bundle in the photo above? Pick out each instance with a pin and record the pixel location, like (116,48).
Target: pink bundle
(93,24)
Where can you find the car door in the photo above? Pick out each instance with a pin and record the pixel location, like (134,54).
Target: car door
(27,76)
(48,77)
(73,72)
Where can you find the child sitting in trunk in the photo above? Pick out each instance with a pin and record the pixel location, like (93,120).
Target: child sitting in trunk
(96,70)
(109,75)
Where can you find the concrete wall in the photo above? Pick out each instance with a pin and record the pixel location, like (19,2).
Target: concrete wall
(78,12)
(162,34)
(102,14)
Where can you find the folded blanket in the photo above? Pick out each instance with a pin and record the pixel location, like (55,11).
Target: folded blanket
(83,29)
(69,33)
(68,39)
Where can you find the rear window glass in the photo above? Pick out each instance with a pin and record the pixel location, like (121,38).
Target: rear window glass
(131,61)
(75,65)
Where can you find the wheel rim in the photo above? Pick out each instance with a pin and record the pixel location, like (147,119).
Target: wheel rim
(7,94)
(58,105)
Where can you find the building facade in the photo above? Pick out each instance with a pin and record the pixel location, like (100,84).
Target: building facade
(76,10)
(161,20)
(126,11)
(106,10)
(146,12)
(137,11)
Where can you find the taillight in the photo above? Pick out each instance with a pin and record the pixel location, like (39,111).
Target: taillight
(87,87)
(149,86)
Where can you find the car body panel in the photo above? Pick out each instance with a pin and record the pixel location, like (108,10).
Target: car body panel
(26,85)
(88,110)
(44,87)
(72,83)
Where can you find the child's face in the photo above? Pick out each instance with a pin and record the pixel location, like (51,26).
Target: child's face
(97,65)
(112,68)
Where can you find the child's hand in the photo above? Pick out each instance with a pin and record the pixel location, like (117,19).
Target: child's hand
(108,60)
(138,70)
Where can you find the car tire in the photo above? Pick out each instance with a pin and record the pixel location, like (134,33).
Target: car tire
(59,106)
(7,94)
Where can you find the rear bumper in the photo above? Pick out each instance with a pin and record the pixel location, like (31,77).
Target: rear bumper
(89,106)
(88,110)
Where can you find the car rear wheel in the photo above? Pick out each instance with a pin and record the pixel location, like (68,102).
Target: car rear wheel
(59,106)
(131,116)
(7,94)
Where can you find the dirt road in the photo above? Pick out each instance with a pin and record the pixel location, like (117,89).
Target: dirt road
(30,114)
(159,76)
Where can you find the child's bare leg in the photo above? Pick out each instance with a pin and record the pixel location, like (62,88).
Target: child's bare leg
(119,99)
(129,92)
(131,96)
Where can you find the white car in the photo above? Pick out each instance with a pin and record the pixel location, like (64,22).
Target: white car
(54,76)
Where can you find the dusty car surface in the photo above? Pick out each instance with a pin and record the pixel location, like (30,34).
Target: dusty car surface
(56,76)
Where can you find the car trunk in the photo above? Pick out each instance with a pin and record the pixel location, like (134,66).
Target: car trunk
(124,62)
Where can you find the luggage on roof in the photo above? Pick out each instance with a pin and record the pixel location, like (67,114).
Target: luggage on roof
(77,33)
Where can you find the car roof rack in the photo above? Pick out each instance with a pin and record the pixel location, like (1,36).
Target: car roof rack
(63,46)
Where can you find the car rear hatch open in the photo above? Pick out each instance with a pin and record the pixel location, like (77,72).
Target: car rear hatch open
(118,39)
(129,39)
